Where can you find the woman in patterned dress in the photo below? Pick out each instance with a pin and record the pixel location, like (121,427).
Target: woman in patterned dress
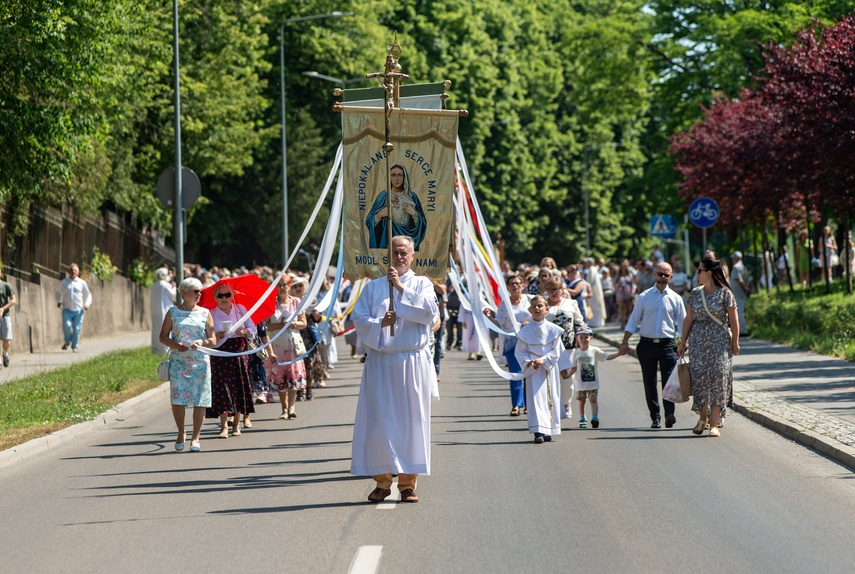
(316,369)
(185,328)
(711,347)
(231,383)
(287,379)
(565,313)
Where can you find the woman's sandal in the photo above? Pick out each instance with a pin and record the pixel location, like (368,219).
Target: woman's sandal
(515,412)
(700,427)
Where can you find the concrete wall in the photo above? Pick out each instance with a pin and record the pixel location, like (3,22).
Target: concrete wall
(117,306)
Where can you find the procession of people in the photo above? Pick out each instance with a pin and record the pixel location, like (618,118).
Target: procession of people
(547,327)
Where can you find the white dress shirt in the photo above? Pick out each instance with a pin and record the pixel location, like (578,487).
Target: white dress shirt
(657,314)
(74,294)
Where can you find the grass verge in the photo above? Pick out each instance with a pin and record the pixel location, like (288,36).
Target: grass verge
(808,319)
(40,404)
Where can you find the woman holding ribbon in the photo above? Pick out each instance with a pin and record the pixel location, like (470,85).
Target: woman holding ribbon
(289,378)
(186,327)
(231,383)
(519,303)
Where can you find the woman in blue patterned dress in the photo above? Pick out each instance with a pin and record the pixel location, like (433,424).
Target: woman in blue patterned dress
(709,309)
(185,328)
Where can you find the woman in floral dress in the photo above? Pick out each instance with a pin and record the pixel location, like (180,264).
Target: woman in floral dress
(711,346)
(231,383)
(189,369)
(565,313)
(287,379)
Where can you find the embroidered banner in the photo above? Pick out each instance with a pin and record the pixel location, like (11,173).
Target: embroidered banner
(422,182)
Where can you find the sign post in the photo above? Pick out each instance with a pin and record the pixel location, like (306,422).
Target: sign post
(703,213)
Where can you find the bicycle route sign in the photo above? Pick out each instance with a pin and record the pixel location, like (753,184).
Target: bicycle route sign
(703,212)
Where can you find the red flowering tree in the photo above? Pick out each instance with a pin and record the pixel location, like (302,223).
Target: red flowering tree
(786,147)
(812,83)
(737,155)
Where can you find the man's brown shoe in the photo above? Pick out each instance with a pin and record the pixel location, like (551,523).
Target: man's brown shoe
(409,495)
(379,494)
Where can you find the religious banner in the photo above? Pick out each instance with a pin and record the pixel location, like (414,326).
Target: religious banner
(421,173)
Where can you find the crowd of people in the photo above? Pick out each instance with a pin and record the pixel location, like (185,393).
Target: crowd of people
(228,388)
(546,343)
(553,311)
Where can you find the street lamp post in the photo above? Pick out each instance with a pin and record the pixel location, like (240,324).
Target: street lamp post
(339,81)
(585,190)
(285,253)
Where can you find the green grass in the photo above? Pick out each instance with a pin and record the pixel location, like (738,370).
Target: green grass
(46,402)
(807,319)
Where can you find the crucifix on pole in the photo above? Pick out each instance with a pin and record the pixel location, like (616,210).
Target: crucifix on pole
(390,80)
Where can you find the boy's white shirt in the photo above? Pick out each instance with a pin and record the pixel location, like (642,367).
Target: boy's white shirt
(598,356)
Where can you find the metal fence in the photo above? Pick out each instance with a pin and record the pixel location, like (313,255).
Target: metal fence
(58,237)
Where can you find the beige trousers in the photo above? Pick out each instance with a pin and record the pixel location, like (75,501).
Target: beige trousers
(405,481)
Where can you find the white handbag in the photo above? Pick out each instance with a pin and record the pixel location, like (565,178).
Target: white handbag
(163,368)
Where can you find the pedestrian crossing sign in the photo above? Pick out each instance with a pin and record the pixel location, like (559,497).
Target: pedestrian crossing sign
(663,226)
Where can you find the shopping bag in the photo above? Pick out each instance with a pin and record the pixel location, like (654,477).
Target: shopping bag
(685,378)
(672,391)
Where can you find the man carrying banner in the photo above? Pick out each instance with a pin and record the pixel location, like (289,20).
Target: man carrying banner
(391,434)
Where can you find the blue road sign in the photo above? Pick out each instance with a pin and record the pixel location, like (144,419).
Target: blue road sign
(663,226)
(703,212)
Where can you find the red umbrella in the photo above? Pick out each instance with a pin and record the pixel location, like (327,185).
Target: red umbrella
(248,290)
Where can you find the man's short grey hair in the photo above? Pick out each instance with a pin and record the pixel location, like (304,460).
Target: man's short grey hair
(407,239)
(161,274)
(190,284)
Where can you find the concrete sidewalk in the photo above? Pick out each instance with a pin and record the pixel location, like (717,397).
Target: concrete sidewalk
(26,364)
(804,396)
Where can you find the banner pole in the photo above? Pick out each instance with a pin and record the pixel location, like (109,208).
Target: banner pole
(390,81)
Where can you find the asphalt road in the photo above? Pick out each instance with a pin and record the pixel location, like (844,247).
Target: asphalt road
(622,498)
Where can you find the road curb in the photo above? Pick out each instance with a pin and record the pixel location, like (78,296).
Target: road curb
(120,412)
(820,443)
(824,445)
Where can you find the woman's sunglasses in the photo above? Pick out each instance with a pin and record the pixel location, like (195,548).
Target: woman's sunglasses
(225,295)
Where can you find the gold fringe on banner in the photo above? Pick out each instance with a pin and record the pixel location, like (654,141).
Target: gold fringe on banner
(368,132)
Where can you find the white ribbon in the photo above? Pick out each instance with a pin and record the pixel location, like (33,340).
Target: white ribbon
(323,261)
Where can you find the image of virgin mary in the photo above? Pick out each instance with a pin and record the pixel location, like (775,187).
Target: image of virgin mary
(408,217)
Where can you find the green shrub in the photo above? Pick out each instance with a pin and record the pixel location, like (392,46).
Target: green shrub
(807,319)
(140,273)
(101,266)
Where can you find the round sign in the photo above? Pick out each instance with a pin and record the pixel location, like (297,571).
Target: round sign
(703,212)
(191,188)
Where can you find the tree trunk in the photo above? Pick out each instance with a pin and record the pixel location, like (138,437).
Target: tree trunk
(787,259)
(810,251)
(845,262)
(754,273)
(767,271)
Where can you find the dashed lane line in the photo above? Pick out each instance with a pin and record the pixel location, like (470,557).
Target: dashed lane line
(366,561)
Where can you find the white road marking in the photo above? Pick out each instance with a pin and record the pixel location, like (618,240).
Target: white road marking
(387,505)
(366,561)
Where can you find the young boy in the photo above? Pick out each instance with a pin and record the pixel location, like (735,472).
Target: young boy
(540,352)
(584,359)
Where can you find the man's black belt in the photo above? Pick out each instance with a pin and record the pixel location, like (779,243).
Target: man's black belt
(660,340)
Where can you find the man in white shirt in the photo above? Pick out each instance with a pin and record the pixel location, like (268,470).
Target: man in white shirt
(161,298)
(658,318)
(391,434)
(74,298)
